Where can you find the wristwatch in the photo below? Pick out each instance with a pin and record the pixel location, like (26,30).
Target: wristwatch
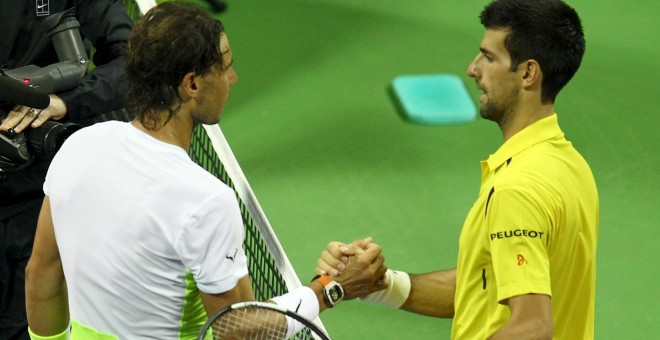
(332,290)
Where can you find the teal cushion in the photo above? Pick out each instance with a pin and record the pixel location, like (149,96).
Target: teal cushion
(434,99)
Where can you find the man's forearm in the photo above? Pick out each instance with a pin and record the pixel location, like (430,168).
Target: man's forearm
(48,315)
(432,294)
(46,306)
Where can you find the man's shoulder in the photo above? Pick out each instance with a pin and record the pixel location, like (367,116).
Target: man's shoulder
(547,169)
(198,179)
(101,127)
(545,159)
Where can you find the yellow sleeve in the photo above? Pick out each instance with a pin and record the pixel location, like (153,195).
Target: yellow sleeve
(519,226)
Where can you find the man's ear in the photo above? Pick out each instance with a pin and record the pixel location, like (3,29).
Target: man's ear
(189,86)
(532,74)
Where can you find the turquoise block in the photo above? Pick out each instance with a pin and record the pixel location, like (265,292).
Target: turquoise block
(434,99)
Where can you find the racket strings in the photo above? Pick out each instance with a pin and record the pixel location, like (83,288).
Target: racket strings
(250,323)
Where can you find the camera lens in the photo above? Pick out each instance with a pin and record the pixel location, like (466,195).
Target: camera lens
(49,137)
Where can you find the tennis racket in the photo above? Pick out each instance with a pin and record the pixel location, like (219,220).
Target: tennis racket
(254,320)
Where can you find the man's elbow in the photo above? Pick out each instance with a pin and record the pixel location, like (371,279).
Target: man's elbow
(35,286)
(30,274)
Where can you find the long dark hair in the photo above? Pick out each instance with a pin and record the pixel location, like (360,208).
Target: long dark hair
(171,40)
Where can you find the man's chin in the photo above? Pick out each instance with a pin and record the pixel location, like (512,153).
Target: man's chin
(209,121)
(489,114)
(485,114)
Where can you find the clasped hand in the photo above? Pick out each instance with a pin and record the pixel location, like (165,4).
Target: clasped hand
(359,266)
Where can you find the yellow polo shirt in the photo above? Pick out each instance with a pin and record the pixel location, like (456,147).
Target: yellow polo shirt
(533,229)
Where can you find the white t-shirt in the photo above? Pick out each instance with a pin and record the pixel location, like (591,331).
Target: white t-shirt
(136,221)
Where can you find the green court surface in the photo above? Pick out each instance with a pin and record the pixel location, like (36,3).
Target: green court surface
(329,158)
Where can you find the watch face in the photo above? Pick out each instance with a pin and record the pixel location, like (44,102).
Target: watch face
(336,293)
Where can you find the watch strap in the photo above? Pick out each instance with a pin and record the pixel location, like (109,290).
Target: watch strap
(325,280)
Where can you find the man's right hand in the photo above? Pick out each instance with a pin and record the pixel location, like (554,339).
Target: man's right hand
(334,258)
(358,266)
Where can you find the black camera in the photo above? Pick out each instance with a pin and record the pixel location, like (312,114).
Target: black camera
(30,85)
(18,150)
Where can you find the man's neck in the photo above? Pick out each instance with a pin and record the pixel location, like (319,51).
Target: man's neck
(524,116)
(175,131)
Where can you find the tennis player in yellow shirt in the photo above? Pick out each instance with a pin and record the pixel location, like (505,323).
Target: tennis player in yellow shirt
(527,250)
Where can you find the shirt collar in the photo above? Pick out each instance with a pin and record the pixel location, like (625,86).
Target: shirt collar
(542,130)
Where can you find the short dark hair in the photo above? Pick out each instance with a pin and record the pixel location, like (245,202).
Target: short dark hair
(171,40)
(548,31)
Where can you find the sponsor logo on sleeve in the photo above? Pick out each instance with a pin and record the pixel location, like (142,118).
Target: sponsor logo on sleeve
(516,233)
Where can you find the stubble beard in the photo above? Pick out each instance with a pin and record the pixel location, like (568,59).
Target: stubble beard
(494,112)
(499,112)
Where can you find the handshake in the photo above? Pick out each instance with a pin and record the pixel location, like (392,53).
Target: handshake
(359,267)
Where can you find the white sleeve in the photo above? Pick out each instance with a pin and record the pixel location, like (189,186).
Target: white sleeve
(211,244)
